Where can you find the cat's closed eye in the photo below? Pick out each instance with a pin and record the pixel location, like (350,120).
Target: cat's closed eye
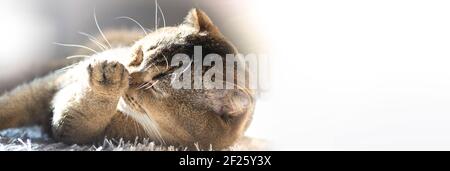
(160,75)
(152,48)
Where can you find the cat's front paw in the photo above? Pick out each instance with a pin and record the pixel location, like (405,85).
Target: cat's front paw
(108,77)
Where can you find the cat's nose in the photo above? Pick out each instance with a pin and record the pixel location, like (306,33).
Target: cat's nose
(234,105)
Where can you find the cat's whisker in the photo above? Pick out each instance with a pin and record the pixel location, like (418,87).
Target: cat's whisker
(141,85)
(152,84)
(149,66)
(94,40)
(185,69)
(67,67)
(144,85)
(155,131)
(155,67)
(156,15)
(234,84)
(148,29)
(100,30)
(173,77)
(167,61)
(78,56)
(75,45)
(248,92)
(162,15)
(136,131)
(133,20)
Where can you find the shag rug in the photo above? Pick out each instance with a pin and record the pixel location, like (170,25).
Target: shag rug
(33,139)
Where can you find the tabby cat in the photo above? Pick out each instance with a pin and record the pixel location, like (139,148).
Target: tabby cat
(125,92)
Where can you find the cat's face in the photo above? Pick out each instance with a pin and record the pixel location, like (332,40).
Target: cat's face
(185,116)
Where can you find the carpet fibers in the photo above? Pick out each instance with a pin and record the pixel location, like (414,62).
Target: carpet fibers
(33,139)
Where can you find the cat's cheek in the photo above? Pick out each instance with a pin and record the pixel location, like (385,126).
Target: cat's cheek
(138,95)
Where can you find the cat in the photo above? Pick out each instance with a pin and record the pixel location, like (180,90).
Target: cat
(125,93)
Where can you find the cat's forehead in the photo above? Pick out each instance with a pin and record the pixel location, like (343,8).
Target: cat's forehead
(166,36)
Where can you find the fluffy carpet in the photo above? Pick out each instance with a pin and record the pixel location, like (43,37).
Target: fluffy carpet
(33,139)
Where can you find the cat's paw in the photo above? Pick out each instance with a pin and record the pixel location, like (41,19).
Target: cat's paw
(108,77)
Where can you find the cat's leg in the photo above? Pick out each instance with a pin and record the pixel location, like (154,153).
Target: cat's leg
(29,103)
(84,109)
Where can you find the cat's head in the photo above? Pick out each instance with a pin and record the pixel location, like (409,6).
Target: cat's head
(214,117)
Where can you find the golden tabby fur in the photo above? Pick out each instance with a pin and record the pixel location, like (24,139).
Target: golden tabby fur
(101,96)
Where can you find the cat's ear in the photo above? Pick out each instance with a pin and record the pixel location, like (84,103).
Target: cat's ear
(200,21)
(137,56)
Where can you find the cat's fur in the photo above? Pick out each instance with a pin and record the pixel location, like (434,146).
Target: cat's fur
(100,97)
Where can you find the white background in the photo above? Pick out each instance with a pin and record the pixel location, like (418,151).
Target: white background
(356,75)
